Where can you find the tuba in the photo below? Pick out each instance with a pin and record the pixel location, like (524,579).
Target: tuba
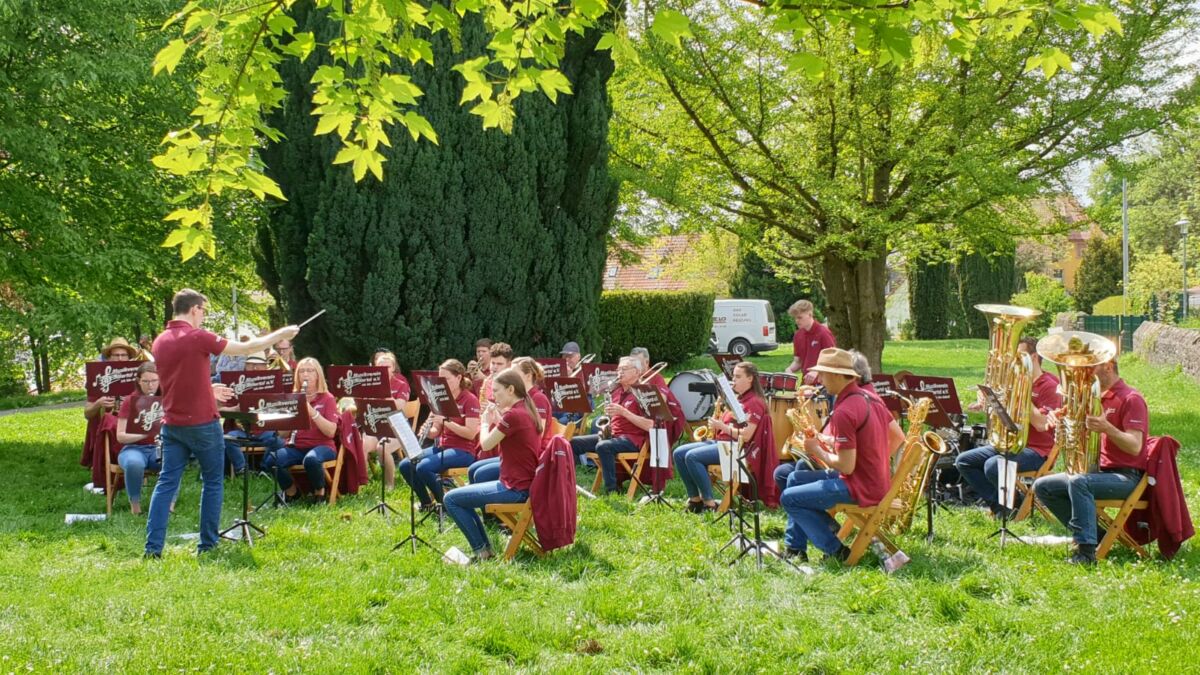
(914,484)
(1077,354)
(1009,374)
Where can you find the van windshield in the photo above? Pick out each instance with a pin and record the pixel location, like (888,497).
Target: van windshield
(770,313)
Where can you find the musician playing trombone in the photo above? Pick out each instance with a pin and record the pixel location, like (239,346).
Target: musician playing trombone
(1124,427)
(629,427)
(571,360)
(978,466)
(857,449)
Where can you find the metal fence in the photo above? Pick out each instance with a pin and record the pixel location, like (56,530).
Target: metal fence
(1119,329)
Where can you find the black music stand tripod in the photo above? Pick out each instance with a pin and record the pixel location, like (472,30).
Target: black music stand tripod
(753,542)
(995,407)
(243,525)
(383,508)
(413,538)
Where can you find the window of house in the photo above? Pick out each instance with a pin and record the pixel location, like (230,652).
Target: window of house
(654,273)
(612,270)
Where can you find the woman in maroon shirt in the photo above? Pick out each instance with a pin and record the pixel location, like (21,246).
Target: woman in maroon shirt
(532,375)
(313,446)
(400,393)
(457,439)
(518,435)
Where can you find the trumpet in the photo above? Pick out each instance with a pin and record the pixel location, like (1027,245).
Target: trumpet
(579,366)
(654,370)
(703,433)
(277,362)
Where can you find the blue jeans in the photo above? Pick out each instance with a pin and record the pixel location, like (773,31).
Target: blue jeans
(134,460)
(463,503)
(311,458)
(484,470)
(807,501)
(782,473)
(206,443)
(1072,498)
(423,477)
(607,452)
(692,461)
(270,441)
(980,468)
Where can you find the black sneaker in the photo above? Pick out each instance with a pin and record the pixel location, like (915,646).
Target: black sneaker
(795,555)
(841,555)
(1085,554)
(695,507)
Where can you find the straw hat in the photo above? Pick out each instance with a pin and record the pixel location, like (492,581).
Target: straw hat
(118,343)
(836,361)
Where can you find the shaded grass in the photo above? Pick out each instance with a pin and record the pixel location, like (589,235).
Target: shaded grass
(642,590)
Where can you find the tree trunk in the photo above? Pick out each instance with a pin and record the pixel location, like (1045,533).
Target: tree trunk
(855,294)
(44,385)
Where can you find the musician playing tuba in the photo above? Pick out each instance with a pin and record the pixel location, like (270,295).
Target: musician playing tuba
(978,466)
(859,454)
(630,427)
(1124,426)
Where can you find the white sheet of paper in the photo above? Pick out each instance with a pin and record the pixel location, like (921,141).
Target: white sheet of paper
(731,399)
(728,461)
(660,449)
(408,440)
(454,556)
(1006,472)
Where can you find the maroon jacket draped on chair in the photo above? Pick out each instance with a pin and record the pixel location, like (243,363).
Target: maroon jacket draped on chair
(552,496)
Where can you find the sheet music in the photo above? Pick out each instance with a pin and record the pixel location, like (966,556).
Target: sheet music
(660,449)
(728,461)
(1006,471)
(731,399)
(408,440)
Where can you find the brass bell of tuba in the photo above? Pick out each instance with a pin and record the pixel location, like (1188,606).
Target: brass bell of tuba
(1077,354)
(1009,374)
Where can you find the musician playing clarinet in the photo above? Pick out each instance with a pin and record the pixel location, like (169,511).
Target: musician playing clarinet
(400,390)
(139,453)
(629,425)
(457,439)
(313,446)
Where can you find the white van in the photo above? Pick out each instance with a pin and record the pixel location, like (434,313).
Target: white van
(743,327)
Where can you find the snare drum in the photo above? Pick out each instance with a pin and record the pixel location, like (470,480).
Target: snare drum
(784,382)
(780,424)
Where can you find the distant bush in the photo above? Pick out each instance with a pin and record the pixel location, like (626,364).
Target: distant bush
(672,325)
(1110,306)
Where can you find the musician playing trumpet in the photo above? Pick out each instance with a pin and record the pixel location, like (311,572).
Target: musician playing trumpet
(1124,428)
(978,466)
(629,429)
(857,449)
(693,459)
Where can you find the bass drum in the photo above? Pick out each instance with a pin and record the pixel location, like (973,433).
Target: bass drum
(696,406)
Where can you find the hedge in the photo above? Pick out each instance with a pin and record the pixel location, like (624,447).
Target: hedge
(1110,306)
(672,325)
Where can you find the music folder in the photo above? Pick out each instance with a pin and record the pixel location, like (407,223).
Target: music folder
(652,402)
(110,378)
(567,395)
(359,381)
(373,414)
(435,391)
(277,412)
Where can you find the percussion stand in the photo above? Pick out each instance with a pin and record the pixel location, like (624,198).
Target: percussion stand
(382,508)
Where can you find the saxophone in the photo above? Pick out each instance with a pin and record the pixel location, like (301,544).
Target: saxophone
(1077,354)
(914,484)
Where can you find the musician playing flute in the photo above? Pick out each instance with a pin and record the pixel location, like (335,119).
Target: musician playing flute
(457,439)
(531,373)
(400,390)
(139,453)
(314,445)
(693,459)
(979,466)
(1124,427)
(630,427)
(857,449)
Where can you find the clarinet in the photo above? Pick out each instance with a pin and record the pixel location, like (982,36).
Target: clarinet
(292,439)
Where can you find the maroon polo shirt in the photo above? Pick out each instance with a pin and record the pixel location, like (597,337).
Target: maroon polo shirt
(542,404)
(807,344)
(622,427)
(519,449)
(1125,409)
(326,406)
(182,353)
(468,405)
(400,387)
(861,423)
(755,409)
(1045,397)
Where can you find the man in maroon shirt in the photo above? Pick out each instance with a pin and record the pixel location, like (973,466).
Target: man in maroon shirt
(1124,426)
(629,426)
(810,338)
(980,466)
(190,425)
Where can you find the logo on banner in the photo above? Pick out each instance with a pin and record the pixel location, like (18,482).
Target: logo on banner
(563,391)
(285,406)
(149,417)
(247,383)
(104,381)
(352,379)
(376,414)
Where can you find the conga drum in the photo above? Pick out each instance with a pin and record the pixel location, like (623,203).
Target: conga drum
(780,425)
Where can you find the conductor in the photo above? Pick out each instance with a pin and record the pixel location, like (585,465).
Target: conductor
(190,425)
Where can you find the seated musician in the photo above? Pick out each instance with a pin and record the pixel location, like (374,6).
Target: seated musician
(286,353)
(400,392)
(693,459)
(531,373)
(116,350)
(628,429)
(500,356)
(1124,429)
(517,434)
(312,446)
(643,354)
(270,440)
(858,438)
(479,367)
(456,439)
(978,466)
(809,340)
(140,452)
(571,360)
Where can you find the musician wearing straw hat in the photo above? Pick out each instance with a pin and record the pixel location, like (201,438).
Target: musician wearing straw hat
(857,449)
(1124,428)
(116,350)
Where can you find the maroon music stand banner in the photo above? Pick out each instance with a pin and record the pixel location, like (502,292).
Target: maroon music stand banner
(110,378)
(359,381)
(885,386)
(942,388)
(552,367)
(651,401)
(567,395)
(295,404)
(287,377)
(372,416)
(251,382)
(418,375)
(436,392)
(594,373)
(726,363)
(147,415)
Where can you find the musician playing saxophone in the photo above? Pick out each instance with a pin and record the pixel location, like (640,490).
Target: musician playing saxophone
(693,459)
(978,466)
(630,428)
(859,454)
(1124,427)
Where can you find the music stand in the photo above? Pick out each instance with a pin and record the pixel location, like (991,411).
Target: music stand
(569,395)
(372,418)
(276,412)
(412,449)
(246,420)
(996,407)
(652,402)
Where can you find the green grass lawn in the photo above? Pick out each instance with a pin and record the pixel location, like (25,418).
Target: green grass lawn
(641,590)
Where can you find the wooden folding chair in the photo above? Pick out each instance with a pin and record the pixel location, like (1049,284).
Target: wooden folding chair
(868,520)
(519,519)
(1025,489)
(631,462)
(113,473)
(1115,525)
(333,475)
(411,410)
(559,429)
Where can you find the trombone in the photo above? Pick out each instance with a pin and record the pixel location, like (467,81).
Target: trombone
(654,370)
(579,366)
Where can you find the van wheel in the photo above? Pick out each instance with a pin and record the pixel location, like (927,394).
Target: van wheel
(739,348)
